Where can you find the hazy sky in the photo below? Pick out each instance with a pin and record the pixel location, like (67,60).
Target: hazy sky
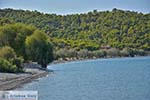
(76,6)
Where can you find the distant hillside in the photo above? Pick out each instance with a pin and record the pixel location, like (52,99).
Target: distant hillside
(94,30)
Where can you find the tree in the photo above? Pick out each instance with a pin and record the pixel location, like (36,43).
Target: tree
(9,54)
(14,35)
(39,48)
(117,28)
(6,66)
(4,21)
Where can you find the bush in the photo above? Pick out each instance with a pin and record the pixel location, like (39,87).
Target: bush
(135,52)
(64,53)
(125,52)
(7,52)
(14,35)
(18,61)
(83,53)
(113,52)
(99,53)
(4,21)
(6,66)
(39,48)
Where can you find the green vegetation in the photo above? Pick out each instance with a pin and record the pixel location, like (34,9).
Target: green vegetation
(9,61)
(9,54)
(39,48)
(6,66)
(92,31)
(14,35)
(78,36)
(18,43)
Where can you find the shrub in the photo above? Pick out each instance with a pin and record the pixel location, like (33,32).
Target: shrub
(39,48)
(18,61)
(7,52)
(141,53)
(4,21)
(113,52)
(99,53)
(64,53)
(6,66)
(135,52)
(72,53)
(125,52)
(83,53)
(14,35)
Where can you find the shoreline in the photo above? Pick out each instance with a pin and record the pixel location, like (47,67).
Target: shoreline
(11,81)
(33,74)
(66,61)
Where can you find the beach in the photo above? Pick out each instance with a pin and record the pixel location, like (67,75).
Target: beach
(10,81)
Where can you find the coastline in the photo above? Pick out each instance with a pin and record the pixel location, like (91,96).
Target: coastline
(11,81)
(18,80)
(72,60)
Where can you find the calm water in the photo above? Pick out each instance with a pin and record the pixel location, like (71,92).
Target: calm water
(103,79)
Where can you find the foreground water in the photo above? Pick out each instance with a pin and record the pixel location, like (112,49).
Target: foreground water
(102,79)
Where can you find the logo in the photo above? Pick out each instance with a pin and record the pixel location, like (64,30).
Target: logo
(18,95)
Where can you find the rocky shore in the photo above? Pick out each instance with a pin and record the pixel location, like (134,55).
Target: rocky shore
(9,81)
(65,60)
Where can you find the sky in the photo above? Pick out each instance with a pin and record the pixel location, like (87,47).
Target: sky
(76,6)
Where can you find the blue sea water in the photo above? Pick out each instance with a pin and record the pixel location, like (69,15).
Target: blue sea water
(101,79)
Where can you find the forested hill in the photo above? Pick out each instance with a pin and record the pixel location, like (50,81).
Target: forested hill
(94,30)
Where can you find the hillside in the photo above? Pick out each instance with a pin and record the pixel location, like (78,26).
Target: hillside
(92,31)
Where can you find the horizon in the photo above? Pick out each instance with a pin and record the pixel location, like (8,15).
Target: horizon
(72,13)
(76,7)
